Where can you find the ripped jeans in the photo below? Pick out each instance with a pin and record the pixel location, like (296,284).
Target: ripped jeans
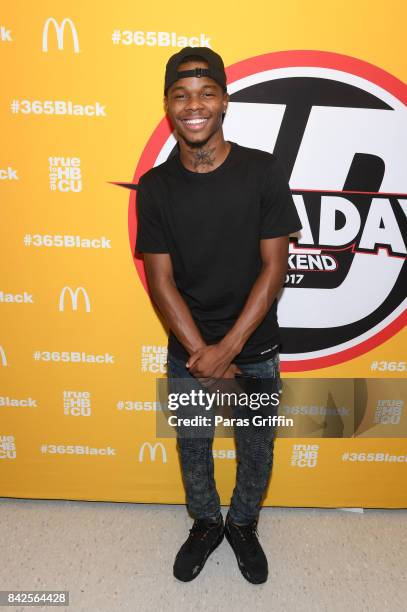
(254,449)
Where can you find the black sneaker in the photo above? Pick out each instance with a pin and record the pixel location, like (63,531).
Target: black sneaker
(249,554)
(203,538)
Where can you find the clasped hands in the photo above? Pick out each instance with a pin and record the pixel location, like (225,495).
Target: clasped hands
(212,362)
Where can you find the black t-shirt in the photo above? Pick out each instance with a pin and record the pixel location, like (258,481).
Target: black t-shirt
(211,224)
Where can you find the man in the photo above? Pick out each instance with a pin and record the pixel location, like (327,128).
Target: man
(214,224)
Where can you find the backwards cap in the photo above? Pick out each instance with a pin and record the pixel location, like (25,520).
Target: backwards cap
(215,70)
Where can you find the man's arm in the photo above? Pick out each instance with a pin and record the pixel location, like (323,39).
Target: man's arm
(170,302)
(174,308)
(213,361)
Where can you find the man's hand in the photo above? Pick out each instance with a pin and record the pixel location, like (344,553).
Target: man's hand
(231,372)
(210,361)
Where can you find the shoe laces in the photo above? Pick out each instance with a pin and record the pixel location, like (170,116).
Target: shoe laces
(249,534)
(200,530)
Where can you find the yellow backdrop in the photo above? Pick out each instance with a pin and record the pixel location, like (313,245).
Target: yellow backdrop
(80,99)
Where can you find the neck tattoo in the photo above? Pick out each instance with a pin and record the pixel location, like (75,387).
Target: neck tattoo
(203,157)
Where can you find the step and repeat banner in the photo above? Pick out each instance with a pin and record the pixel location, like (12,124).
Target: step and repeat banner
(82,346)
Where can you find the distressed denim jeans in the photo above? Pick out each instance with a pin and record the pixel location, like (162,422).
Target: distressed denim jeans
(254,454)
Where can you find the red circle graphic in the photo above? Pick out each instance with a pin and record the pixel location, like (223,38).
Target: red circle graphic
(253,65)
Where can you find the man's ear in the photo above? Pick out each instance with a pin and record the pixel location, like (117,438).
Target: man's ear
(226,101)
(165,104)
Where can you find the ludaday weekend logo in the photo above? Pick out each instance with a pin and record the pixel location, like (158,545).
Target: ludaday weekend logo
(339,127)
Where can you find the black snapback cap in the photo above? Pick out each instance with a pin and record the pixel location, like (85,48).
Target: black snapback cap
(215,70)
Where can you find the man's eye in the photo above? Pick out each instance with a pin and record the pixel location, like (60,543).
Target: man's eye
(179,96)
(208,94)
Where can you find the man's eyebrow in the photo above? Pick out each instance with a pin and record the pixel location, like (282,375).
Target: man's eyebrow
(203,87)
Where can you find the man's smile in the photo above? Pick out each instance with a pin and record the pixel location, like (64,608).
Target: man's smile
(195,123)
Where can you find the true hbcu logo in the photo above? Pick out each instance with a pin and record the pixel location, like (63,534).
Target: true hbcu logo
(339,126)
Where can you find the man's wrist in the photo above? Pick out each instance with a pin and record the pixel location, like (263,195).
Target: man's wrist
(231,346)
(196,347)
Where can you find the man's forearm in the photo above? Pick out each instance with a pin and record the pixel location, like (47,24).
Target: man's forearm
(214,360)
(258,303)
(177,315)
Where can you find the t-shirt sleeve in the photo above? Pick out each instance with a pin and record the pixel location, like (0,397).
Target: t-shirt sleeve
(279,216)
(150,232)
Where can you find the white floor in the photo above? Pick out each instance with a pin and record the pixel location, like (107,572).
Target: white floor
(117,557)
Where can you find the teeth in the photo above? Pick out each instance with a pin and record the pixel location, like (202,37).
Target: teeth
(194,121)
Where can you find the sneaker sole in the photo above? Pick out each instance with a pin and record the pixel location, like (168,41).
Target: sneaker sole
(210,551)
(242,568)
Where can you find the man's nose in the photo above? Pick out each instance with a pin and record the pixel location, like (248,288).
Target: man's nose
(195,102)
